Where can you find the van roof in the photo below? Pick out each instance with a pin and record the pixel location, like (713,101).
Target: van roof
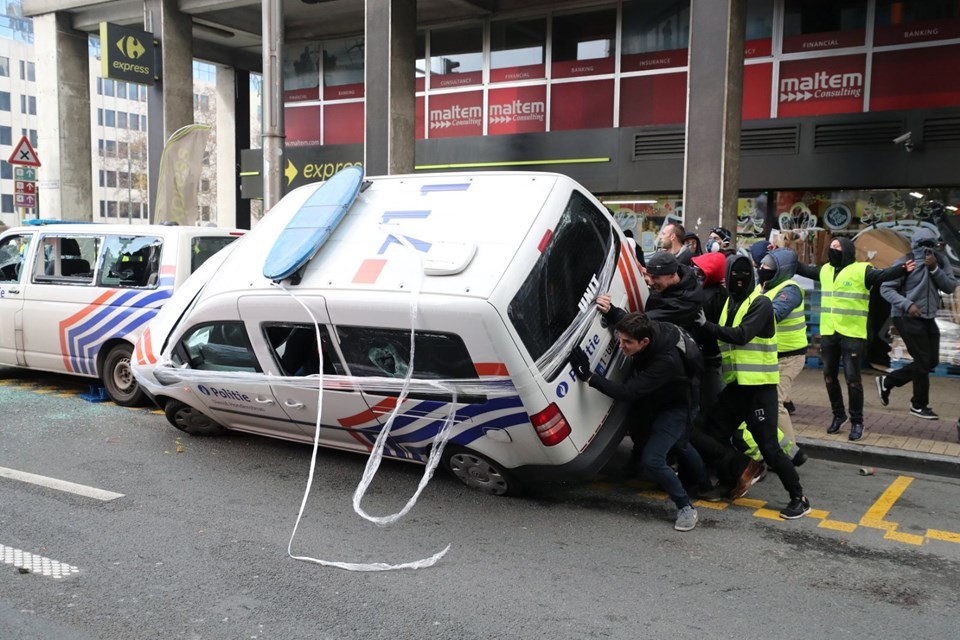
(443,217)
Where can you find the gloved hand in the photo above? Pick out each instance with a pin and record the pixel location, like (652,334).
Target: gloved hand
(701,319)
(580,363)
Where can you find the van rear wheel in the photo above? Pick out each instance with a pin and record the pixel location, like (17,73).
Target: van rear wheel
(118,380)
(189,420)
(479,472)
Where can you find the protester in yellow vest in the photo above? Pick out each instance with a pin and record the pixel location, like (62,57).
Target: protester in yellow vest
(775,273)
(844,305)
(748,344)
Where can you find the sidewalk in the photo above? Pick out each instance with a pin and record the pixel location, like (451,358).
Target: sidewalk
(892,437)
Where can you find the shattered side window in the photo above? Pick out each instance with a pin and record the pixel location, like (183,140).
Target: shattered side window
(371,351)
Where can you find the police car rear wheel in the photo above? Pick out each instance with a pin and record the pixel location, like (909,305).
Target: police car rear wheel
(189,420)
(118,378)
(478,472)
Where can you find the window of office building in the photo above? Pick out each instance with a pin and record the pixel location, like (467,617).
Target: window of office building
(111,209)
(6,170)
(100,117)
(4,66)
(123,149)
(134,122)
(121,119)
(108,89)
(812,25)
(343,68)
(6,203)
(583,43)
(904,21)
(121,89)
(110,118)
(111,180)
(6,135)
(656,34)
(110,148)
(456,57)
(4,101)
(28,71)
(518,50)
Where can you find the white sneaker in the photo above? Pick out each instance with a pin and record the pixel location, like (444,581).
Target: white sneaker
(686,519)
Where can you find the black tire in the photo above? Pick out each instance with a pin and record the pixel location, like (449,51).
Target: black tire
(190,420)
(479,472)
(118,380)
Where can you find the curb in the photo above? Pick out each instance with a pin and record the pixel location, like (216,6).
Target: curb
(883,457)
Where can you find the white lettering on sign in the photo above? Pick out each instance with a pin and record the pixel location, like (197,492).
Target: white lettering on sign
(455,116)
(921,33)
(518,111)
(127,66)
(653,62)
(819,44)
(821,85)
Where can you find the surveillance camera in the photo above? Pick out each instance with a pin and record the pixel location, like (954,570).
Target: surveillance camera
(904,139)
(908,146)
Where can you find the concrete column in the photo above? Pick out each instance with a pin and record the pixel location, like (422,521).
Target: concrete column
(63,109)
(711,178)
(391,27)
(273,132)
(170,100)
(226,147)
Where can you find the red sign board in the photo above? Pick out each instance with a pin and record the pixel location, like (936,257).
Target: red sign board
(343,123)
(302,125)
(757,83)
(757,48)
(654,60)
(581,105)
(343,91)
(418,118)
(923,31)
(453,115)
(932,74)
(24,154)
(526,72)
(28,188)
(299,95)
(450,80)
(822,41)
(654,99)
(820,86)
(517,110)
(578,68)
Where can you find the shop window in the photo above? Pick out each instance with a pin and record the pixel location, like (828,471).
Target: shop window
(294,348)
(343,68)
(904,21)
(301,71)
(222,346)
(130,261)
(518,50)
(656,34)
(583,43)
(812,25)
(759,28)
(456,57)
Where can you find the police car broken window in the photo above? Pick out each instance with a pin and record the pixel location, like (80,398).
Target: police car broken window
(294,348)
(217,347)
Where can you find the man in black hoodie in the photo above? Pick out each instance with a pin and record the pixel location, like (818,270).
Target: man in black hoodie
(845,303)
(747,335)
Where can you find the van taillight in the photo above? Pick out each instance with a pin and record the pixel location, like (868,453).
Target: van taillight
(551,426)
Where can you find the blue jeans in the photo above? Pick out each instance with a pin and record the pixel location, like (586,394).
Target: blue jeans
(668,430)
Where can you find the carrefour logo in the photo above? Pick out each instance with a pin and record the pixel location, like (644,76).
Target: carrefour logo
(226,394)
(821,85)
(130,47)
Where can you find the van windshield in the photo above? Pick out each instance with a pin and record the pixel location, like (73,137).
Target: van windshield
(548,302)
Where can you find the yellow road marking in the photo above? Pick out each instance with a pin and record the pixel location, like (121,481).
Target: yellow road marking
(948,536)
(908,538)
(750,502)
(876,515)
(837,525)
(716,506)
(158,412)
(819,514)
(656,495)
(769,514)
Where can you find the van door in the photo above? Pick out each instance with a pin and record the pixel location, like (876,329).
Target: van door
(14,260)
(247,405)
(576,256)
(285,340)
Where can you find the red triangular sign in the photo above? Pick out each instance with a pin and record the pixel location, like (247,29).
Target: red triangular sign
(24,154)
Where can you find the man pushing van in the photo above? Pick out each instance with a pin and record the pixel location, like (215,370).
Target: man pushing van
(663,380)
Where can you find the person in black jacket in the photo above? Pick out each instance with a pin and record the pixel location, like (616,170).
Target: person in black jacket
(675,294)
(660,382)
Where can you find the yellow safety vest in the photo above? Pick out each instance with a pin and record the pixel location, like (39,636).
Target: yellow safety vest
(753,363)
(792,330)
(844,302)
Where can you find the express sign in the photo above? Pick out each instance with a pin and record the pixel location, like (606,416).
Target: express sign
(126,54)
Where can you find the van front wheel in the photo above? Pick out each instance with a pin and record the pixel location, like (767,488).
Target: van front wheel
(478,472)
(118,378)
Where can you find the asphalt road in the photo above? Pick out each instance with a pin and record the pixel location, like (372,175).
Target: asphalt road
(196,547)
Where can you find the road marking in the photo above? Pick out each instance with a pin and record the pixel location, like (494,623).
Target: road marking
(60,485)
(876,515)
(32,563)
(948,536)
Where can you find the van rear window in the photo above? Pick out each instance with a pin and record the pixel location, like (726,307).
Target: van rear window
(547,303)
(204,247)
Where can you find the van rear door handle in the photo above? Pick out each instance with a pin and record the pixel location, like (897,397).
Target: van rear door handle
(14,290)
(293,404)
(263,401)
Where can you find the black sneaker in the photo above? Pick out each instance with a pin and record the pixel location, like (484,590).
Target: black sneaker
(856,431)
(882,390)
(797,508)
(836,424)
(924,412)
(789,406)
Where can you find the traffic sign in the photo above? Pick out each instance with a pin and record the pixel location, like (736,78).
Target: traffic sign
(25,187)
(25,173)
(24,200)
(24,154)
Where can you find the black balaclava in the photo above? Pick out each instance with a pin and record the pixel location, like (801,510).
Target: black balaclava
(740,278)
(847,254)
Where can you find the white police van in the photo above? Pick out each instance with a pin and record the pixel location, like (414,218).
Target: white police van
(75,297)
(503,269)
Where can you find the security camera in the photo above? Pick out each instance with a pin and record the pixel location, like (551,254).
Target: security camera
(904,139)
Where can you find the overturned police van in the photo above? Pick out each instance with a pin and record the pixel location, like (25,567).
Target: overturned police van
(458,296)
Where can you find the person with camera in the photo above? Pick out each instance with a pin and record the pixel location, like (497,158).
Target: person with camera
(914,300)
